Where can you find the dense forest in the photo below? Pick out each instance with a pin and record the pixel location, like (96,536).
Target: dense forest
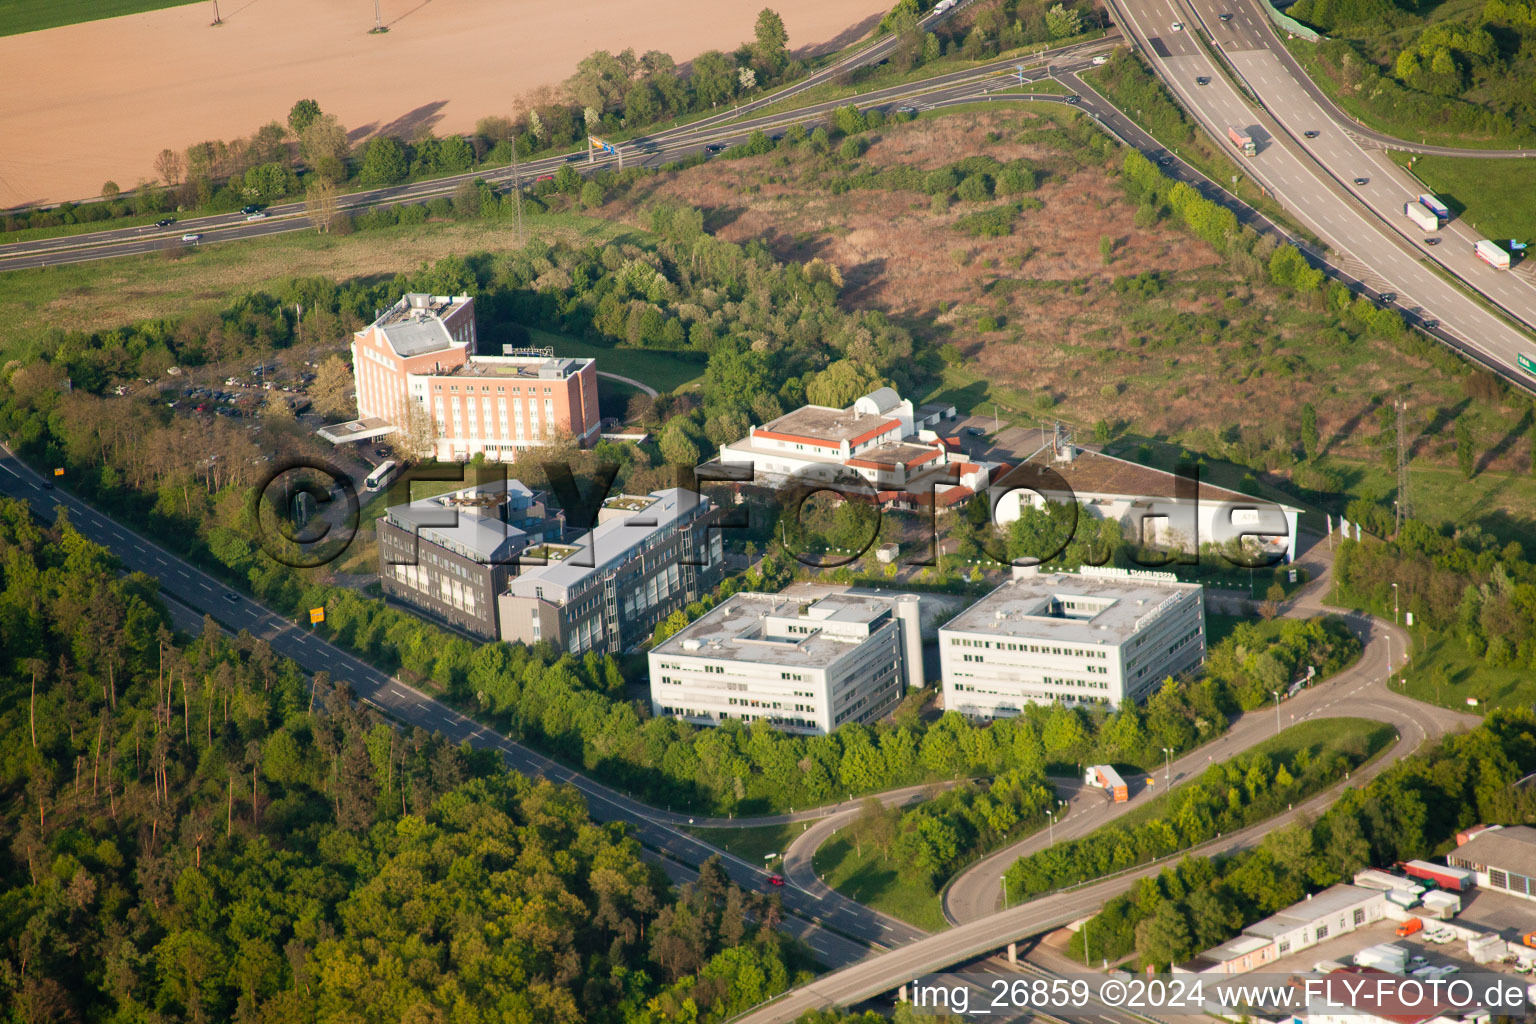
(1482,592)
(1411,810)
(199,832)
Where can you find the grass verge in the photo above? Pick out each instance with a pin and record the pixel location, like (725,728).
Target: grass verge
(877,882)
(753,844)
(1494,196)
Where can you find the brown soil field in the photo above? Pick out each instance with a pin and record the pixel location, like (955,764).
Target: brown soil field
(96,101)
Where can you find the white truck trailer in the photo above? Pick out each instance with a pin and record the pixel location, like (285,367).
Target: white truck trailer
(1421,215)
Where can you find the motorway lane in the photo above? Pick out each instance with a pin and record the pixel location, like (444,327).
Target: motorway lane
(1284,89)
(1250,28)
(1309,193)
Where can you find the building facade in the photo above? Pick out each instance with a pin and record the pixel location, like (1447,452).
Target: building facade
(1502,856)
(647,557)
(416,367)
(1147,502)
(805,665)
(1335,911)
(878,439)
(453,554)
(1102,636)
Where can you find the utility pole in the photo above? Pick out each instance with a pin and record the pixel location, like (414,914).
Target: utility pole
(378,20)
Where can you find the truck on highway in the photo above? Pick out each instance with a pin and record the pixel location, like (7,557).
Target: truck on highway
(1243,141)
(1106,778)
(1421,215)
(942,6)
(1491,254)
(1435,206)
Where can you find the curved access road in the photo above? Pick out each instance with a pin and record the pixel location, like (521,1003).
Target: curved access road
(1360,691)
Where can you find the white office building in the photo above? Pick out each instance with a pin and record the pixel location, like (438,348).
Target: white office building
(806,664)
(1102,636)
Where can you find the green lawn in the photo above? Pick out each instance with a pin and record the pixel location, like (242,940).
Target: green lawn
(1444,672)
(751,844)
(664,371)
(18,16)
(877,882)
(1494,196)
(1504,504)
(1324,736)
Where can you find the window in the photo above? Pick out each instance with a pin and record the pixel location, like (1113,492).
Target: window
(1359,917)
(1322,932)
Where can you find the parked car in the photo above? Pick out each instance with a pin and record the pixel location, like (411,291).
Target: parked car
(1389,297)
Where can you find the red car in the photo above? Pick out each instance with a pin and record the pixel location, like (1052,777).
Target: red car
(775,880)
(545,177)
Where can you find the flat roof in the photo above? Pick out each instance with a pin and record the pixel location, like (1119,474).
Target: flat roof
(1333,900)
(1091,473)
(733,630)
(1511,848)
(897,453)
(414,325)
(1111,608)
(516,366)
(464,520)
(608,544)
(356,430)
(829,426)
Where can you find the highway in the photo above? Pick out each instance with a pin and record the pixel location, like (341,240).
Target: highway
(1364,243)
(1250,44)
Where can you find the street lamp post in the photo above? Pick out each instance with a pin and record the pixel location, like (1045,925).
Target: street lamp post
(1167,765)
(1277,710)
(1004,881)
(1394,604)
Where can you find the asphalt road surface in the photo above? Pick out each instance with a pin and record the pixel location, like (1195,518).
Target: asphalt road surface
(723,129)
(1258,55)
(1312,192)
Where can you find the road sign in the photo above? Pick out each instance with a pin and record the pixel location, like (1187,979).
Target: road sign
(1526,362)
(317,615)
(58,472)
(1410,618)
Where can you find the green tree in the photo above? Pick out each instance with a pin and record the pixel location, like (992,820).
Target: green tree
(383,162)
(301,115)
(1062,21)
(770,41)
(713,79)
(1466,447)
